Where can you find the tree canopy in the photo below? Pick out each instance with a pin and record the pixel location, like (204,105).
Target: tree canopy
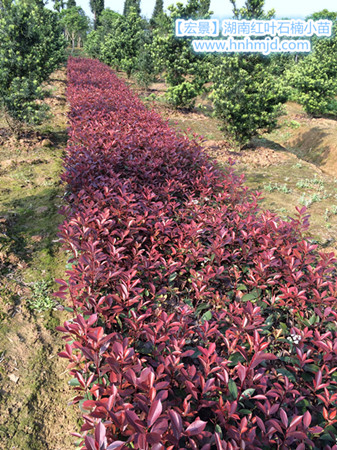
(31,47)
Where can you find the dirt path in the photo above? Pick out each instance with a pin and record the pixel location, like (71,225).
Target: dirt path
(34,389)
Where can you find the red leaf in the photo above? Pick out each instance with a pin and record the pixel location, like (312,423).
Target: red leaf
(154,413)
(262,357)
(100,432)
(306,419)
(196,427)
(116,445)
(90,443)
(134,421)
(153,438)
(177,424)
(296,420)
(284,418)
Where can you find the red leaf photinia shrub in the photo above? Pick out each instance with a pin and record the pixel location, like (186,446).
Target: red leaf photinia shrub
(200,320)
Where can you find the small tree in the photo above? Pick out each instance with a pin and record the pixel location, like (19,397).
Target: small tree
(121,47)
(246,96)
(97,7)
(314,78)
(31,48)
(186,72)
(75,23)
(109,22)
(157,13)
(59,5)
(131,4)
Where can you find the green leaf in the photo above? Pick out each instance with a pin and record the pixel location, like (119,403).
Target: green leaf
(201,307)
(233,389)
(251,296)
(287,374)
(196,354)
(74,382)
(119,322)
(326,437)
(312,319)
(80,404)
(311,368)
(207,316)
(245,412)
(247,393)
(284,327)
(241,287)
(218,430)
(235,358)
(173,276)
(307,377)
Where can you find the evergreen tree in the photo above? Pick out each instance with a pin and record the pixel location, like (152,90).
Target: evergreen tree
(121,47)
(109,21)
(31,48)
(204,7)
(135,4)
(252,9)
(97,7)
(176,57)
(59,5)
(314,77)
(75,23)
(157,12)
(247,95)
(71,4)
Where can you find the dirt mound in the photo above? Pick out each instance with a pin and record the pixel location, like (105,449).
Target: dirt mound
(317,143)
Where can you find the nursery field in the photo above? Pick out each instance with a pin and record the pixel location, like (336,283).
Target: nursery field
(199,319)
(293,165)
(194,319)
(168,223)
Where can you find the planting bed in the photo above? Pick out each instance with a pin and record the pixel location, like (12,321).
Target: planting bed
(199,321)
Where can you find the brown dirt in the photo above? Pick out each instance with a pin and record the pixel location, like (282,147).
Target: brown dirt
(311,139)
(257,157)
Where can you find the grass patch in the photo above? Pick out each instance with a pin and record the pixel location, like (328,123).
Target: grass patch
(33,411)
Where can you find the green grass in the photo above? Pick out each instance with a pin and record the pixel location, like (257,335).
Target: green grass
(33,412)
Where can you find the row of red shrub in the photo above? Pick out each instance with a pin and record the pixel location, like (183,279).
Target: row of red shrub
(201,321)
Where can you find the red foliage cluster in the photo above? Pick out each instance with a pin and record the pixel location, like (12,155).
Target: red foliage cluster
(200,321)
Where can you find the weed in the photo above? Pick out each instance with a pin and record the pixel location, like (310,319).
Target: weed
(326,214)
(41,299)
(294,124)
(277,187)
(330,212)
(309,184)
(150,97)
(308,201)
